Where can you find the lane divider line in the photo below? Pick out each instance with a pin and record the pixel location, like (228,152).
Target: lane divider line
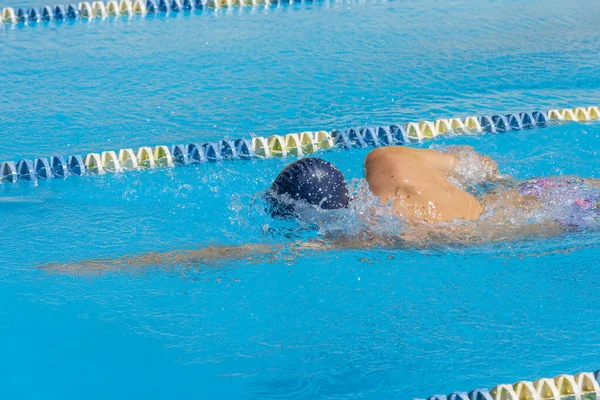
(293,144)
(125,8)
(582,386)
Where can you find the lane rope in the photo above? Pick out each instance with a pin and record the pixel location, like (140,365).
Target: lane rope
(582,386)
(125,8)
(293,144)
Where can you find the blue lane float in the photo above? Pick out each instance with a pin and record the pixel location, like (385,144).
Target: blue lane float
(188,5)
(227,150)
(60,13)
(514,122)
(72,12)
(379,136)
(348,139)
(22,15)
(76,166)
(25,170)
(34,14)
(487,124)
(540,119)
(47,13)
(42,168)
(164,6)
(179,154)
(151,7)
(243,147)
(293,144)
(384,135)
(211,151)
(58,167)
(356,138)
(369,137)
(501,123)
(8,171)
(458,396)
(480,394)
(527,120)
(437,397)
(398,134)
(196,153)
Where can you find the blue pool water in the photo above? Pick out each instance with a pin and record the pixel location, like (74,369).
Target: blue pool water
(373,323)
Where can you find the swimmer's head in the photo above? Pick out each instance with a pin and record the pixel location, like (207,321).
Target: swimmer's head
(308,181)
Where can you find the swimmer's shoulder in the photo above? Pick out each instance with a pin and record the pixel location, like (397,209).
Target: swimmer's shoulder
(444,162)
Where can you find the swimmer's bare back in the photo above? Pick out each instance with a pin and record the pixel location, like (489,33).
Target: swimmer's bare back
(416,182)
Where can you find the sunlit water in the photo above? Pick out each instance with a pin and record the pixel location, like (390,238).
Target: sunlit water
(370,323)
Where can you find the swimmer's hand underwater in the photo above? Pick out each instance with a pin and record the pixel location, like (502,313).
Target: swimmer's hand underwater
(181,261)
(427,189)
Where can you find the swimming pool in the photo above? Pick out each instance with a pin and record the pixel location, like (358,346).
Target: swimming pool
(353,323)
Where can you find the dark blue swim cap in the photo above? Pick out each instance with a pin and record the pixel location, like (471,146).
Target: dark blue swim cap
(310,181)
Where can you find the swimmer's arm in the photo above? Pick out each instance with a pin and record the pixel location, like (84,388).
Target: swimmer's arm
(205,257)
(176,258)
(447,161)
(443,162)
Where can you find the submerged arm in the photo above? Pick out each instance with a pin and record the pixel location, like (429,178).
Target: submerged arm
(209,256)
(204,256)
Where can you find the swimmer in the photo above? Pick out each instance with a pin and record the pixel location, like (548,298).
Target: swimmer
(428,189)
(442,197)
(416,181)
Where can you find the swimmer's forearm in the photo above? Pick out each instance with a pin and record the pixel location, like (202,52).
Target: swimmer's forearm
(177,258)
(207,256)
